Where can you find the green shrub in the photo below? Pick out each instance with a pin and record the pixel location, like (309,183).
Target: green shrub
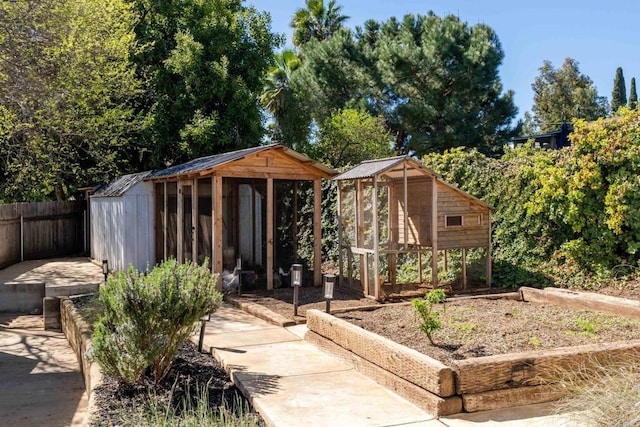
(430,320)
(148,316)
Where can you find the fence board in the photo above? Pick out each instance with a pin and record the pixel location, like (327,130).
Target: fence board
(51,229)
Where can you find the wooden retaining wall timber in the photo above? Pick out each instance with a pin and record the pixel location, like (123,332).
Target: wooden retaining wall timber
(483,383)
(40,230)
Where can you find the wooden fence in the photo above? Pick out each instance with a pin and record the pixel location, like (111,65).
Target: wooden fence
(40,230)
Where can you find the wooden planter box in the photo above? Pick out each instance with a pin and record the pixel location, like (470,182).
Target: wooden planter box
(476,384)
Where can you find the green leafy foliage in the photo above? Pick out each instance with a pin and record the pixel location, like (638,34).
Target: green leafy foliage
(563,94)
(148,316)
(67,92)
(633,95)
(560,216)
(316,21)
(619,92)
(429,319)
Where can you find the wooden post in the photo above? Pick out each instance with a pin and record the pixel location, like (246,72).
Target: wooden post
(376,235)
(464,269)
(194,221)
(216,217)
(180,222)
(165,221)
(488,255)
(420,265)
(434,232)
(445,266)
(406,207)
(270,206)
(364,267)
(340,250)
(392,232)
(21,238)
(294,226)
(317,232)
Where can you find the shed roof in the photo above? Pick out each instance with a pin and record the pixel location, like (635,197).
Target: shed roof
(371,168)
(121,185)
(210,163)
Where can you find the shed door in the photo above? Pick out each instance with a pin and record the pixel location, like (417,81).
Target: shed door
(188,228)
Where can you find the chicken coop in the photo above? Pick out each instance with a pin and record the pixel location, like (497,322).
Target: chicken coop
(403,230)
(239,208)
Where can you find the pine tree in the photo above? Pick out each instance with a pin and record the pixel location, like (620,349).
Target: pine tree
(633,95)
(619,93)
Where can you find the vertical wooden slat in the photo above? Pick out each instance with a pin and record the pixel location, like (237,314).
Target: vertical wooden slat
(180,222)
(165,221)
(405,212)
(295,222)
(488,256)
(364,266)
(194,221)
(270,225)
(434,232)
(464,269)
(376,236)
(317,232)
(217,227)
(340,249)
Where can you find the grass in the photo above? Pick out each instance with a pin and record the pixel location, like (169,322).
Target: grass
(194,411)
(607,395)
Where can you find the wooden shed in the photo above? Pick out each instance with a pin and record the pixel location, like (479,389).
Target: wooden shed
(396,214)
(225,207)
(122,226)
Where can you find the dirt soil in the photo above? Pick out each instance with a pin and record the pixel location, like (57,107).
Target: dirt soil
(471,327)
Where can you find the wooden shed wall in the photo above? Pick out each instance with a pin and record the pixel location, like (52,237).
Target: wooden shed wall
(122,228)
(419,211)
(475,219)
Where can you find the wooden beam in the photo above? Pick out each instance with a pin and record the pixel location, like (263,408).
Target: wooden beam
(270,226)
(405,211)
(340,260)
(165,221)
(216,216)
(294,226)
(180,223)
(434,233)
(376,237)
(317,232)
(488,255)
(464,269)
(364,267)
(194,221)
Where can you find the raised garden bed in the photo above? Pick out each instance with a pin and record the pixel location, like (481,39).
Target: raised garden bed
(492,372)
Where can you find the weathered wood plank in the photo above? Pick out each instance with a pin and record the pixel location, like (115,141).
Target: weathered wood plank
(499,399)
(583,300)
(536,367)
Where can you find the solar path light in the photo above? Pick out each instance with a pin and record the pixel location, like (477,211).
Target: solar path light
(296,282)
(329,284)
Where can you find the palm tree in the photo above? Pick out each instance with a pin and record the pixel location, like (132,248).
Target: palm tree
(277,84)
(316,22)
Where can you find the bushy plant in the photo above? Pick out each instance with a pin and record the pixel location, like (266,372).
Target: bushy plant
(148,316)
(429,319)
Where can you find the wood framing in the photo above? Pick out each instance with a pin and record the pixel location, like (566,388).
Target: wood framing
(254,172)
(426,218)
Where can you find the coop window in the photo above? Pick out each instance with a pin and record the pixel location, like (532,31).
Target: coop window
(453,221)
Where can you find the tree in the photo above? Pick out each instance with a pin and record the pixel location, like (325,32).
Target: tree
(619,93)
(316,21)
(206,60)
(350,136)
(291,119)
(434,80)
(633,95)
(67,86)
(563,94)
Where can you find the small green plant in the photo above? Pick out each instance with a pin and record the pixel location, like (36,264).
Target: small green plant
(535,342)
(430,320)
(588,327)
(148,316)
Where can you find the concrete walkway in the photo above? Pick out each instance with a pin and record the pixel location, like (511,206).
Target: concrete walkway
(292,382)
(40,381)
(54,272)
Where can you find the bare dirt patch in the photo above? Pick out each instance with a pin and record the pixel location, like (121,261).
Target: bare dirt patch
(481,327)
(626,289)
(312,297)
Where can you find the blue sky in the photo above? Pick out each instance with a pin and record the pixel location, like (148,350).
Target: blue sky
(600,35)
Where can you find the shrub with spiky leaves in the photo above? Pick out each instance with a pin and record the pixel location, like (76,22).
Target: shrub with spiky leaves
(148,316)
